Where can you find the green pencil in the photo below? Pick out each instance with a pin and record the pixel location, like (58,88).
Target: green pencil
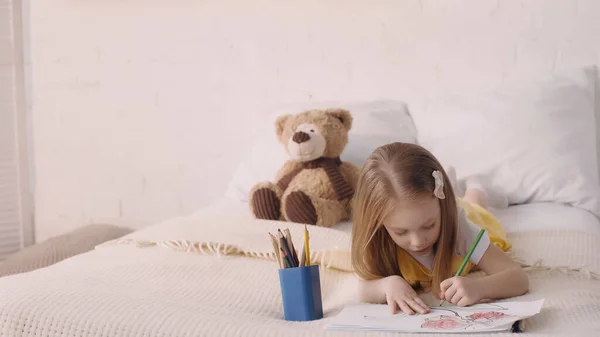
(466,259)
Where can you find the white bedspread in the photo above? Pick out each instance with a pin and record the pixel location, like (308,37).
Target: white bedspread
(206,275)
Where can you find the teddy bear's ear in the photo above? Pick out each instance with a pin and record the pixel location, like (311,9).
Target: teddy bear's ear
(343,115)
(280,124)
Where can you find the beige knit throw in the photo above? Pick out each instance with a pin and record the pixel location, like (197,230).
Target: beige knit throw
(561,251)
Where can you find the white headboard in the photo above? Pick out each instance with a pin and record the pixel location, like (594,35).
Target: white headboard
(143,107)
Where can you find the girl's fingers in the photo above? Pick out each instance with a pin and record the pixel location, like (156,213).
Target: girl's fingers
(463,302)
(416,306)
(420,301)
(405,308)
(449,293)
(392,305)
(446,284)
(456,298)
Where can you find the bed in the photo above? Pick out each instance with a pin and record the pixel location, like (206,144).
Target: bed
(213,272)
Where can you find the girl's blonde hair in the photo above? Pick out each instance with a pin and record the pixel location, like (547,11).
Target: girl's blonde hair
(396,171)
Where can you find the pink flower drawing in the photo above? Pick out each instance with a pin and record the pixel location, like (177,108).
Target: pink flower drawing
(489,316)
(445,323)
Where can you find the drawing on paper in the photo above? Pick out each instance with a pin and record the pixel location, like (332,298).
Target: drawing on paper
(476,320)
(444,322)
(450,309)
(486,317)
(497,316)
(454,318)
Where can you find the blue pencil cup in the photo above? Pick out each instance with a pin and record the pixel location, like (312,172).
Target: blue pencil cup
(301,293)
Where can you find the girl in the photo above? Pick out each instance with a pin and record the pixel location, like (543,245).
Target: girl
(410,232)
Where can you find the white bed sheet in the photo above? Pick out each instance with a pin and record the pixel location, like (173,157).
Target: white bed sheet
(517,218)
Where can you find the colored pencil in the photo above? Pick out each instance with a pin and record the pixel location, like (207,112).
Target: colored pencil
(275,246)
(286,248)
(467,257)
(286,261)
(285,252)
(302,258)
(306,246)
(288,237)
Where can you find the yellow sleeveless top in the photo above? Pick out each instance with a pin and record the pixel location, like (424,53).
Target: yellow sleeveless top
(418,275)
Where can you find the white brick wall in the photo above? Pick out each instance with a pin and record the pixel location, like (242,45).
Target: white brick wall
(142,107)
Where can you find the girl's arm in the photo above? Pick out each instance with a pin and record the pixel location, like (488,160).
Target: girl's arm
(505,278)
(371,291)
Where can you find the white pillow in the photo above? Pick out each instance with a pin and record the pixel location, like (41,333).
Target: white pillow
(532,139)
(375,123)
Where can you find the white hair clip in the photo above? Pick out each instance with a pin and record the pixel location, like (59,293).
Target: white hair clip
(439,184)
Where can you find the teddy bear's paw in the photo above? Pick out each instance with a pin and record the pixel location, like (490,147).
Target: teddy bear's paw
(266,204)
(300,209)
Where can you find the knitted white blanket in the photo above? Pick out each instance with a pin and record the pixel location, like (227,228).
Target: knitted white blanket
(215,276)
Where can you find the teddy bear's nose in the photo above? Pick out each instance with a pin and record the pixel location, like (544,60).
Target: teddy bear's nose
(301,137)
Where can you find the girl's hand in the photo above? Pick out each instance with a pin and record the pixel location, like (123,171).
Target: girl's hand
(461,291)
(399,294)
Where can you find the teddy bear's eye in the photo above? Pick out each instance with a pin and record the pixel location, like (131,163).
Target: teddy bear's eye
(311,130)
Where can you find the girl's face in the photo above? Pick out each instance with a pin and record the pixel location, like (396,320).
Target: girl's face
(414,225)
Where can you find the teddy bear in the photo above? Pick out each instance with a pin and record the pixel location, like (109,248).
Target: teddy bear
(314,186)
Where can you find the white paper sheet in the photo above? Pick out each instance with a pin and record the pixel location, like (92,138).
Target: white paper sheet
(485,317)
